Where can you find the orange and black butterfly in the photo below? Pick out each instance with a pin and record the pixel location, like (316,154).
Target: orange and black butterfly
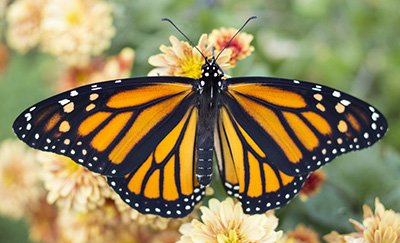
(155,137)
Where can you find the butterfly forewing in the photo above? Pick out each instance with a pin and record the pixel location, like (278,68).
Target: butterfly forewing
(301,126)
(109,127)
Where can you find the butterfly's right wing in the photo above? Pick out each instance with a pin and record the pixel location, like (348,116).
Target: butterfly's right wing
(246,171)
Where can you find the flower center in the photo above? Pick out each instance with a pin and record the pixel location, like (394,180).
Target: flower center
(191,68)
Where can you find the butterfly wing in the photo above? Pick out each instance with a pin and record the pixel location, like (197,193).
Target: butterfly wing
(277,131)
(139,132)
(246,171)
(165,183)
(110,127)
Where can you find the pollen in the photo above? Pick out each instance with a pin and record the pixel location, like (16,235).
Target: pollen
(191,68)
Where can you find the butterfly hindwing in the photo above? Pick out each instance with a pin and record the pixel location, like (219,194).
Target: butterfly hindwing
(109,127)
(246,171)
(165,183)
(301,126)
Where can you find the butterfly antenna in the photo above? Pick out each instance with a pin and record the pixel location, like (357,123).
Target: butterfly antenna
(170,21)
(252,17)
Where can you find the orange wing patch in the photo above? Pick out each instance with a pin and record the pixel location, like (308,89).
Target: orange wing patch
(271,95)
(145,94)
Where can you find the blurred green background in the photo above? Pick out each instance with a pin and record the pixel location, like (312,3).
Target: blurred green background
(353,46)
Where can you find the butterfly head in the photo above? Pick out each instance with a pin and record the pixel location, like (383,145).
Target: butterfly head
(211,70)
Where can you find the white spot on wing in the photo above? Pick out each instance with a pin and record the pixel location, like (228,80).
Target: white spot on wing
(345,102)
(336,94)
(64,101)
(73,93)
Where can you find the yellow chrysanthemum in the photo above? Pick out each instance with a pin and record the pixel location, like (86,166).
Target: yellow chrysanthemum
(24,18)
(19,178)
(226,222)
(240,45)
(75,30)
(72,186)
(183,60)
(383,226)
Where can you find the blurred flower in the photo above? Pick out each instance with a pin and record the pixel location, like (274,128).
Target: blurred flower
(300,234)
(4,57)
(383,226)
(24,18)
(184,60)
(75,30)
(102,224)
(312,184)
(42,219)
(226,222)
(73,186)
(116,67)
(19,178)
(240,45)
(278,48)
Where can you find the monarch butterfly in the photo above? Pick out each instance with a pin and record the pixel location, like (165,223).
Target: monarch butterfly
(155,137)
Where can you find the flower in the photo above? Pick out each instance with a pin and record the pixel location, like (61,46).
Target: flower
(240,45)
(312,184)
(24,18)
(99,69)
(42,219)
(226,222)
(75,30)
(300,234)
(383,226)
(73,186)
(101,224)
(183,60)
(19,178)
(4,57)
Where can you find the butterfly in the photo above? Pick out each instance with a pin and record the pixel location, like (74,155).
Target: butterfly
(154,138)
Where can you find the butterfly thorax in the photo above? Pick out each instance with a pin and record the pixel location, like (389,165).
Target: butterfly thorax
(208,87)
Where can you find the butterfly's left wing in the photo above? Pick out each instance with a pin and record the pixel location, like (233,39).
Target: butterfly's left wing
(165,184)
(139,132)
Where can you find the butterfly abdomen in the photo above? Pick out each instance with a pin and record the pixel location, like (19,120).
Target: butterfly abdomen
(205,140)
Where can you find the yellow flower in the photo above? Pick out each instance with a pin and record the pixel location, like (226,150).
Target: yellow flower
(115,67)
(226,222)
(312,184)
(383,226)
(24,18)
(240,45)
(184,60)
(73,186)
(19,178)
(300,234)
(75,30)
